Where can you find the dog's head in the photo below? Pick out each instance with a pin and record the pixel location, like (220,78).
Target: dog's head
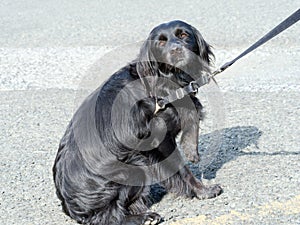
(174,48)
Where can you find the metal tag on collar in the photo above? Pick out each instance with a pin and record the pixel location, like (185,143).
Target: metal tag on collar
(159,105)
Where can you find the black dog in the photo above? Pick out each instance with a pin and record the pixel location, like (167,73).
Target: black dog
(119,141)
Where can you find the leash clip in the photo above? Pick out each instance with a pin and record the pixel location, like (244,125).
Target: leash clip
(193,87)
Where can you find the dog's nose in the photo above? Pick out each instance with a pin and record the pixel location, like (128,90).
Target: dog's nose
(176,49)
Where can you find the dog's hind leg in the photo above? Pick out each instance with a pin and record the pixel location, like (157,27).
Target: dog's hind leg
(177,185)
(185,183)
(139,211)
(129,208)
(105,218)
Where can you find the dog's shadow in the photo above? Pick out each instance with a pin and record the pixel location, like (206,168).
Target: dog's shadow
(216,149)
(230,143)
(220,147)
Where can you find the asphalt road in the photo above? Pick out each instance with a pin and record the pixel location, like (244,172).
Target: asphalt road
(53,53)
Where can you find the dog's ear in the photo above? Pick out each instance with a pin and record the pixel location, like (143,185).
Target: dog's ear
(146,62)
(204,49)
(147,66)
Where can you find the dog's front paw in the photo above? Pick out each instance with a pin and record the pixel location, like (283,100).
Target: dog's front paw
(152,218)
(148,218)
(209,192)
(193,157)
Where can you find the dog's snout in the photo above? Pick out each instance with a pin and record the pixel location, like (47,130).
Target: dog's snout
(175,49)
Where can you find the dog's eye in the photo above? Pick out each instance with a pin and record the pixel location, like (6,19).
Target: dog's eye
(183,35)
(162,40)
(180,33)
(162,43)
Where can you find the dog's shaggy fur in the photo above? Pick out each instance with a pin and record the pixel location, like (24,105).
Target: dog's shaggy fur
(118,143)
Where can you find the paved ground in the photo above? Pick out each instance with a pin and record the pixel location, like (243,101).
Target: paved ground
(49,50)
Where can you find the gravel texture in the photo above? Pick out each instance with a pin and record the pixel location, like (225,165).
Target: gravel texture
(52,56)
